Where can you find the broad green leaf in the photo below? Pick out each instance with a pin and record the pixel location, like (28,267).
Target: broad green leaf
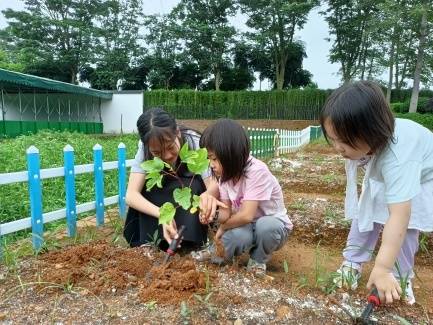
(166,213)
(183,151)
(183,197)
(153,179)
(153,166)
(186,155)
(200,163)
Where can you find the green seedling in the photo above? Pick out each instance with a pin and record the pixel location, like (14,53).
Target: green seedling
(154,239)
(286,267)
(423,243)
(185,313)
(197,163)
(204,300)
(151,305)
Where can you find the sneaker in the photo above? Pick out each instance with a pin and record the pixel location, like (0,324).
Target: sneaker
(408,295)
(347,277)
(207,255)
(258,269)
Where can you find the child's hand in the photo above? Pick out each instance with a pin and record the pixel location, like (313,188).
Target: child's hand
(170,231)
(208,206)
(386,284)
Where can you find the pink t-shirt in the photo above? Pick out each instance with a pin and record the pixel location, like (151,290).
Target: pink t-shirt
(258,184)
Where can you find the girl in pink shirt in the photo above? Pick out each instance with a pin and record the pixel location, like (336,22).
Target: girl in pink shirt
(256,219)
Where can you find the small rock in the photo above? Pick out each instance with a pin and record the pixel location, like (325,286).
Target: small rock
(92,276)
(345,297)
(283,312)
(113,290)
(58,266)
(238,322)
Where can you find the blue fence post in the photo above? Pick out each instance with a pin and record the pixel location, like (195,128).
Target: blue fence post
(99,184)
(121,158)
(71,208)
(35,192)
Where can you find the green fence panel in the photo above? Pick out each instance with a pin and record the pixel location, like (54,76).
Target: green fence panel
(29,127)
(99,128)
(13,128)
(315,132)
(42,125)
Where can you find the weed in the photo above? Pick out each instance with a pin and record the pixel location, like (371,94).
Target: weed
(154,239)
(298,206)
(423,243)
(286,267)
(332,215)
(204,300)
(403,280)
(151,305)
(402,320)
(329,178)
(322,278)
(185,313)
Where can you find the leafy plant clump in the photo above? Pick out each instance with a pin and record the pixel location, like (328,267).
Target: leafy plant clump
(197,163)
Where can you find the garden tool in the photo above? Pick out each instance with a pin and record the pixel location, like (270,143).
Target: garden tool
(174,244)
(373,301)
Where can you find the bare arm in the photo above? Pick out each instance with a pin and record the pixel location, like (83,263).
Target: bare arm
(212,187)
(244,216)
(393,236)
(135,200)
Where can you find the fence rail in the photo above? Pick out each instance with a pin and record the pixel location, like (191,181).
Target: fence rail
(264,143)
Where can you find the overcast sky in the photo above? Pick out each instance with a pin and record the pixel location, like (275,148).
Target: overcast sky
(313,35)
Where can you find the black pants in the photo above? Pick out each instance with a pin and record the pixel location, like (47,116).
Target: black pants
(140,228)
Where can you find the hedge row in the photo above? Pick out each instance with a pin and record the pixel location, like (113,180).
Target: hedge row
(425,105)
(404,95)
(293,104)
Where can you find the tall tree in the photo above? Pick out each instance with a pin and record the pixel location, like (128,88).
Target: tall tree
(56,32)
(425,12)
(163,39)
(117,52)
(294,75)
(275,23)
(207,33)
(349,23)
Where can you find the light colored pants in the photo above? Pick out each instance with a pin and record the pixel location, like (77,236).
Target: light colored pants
(261,238)
(360,247)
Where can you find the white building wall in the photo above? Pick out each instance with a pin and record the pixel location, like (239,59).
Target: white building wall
(121,113)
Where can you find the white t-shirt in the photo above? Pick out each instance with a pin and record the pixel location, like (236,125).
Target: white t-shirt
(402,172)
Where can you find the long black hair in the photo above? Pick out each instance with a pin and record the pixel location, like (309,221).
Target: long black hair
(156,123)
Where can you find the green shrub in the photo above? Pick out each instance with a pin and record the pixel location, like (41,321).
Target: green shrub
(425,105)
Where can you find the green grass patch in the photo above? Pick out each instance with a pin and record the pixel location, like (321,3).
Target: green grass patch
(14,197)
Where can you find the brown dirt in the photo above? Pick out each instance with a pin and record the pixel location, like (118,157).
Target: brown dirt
(125,285)
(200,125)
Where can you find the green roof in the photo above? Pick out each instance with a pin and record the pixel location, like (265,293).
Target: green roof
(12,81)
